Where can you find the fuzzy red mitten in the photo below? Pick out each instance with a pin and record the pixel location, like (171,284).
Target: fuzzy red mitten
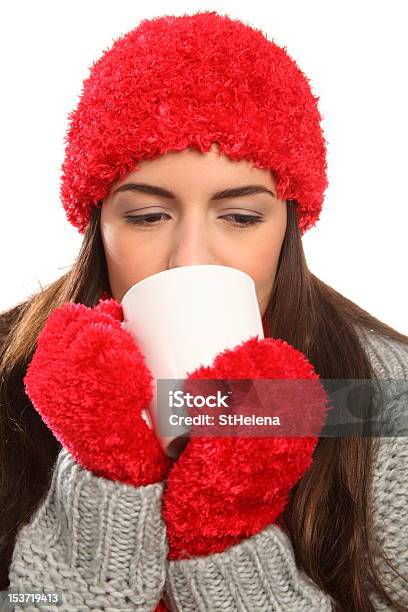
(224,489)
(89,382)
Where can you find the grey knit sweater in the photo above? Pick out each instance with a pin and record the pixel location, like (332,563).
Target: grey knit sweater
(102,544)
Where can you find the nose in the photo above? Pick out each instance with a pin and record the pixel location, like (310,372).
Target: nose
(192,244)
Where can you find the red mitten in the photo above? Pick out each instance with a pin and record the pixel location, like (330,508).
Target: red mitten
(224,489)
(89,382)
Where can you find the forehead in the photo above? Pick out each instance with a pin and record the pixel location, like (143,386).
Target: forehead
(198,169)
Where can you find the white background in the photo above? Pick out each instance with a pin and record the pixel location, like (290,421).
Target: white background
(355,55)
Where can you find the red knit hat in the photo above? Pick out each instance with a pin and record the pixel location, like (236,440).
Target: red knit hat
(188,81)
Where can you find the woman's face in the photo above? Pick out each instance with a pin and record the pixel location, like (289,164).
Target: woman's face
(191,221)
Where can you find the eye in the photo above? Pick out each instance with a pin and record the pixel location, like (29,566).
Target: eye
(144,219)
(244,220)
(150,219)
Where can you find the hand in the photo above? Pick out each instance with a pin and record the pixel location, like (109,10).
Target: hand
(89,382)
(224,489)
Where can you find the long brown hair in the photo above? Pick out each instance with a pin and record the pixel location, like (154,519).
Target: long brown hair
(327,519)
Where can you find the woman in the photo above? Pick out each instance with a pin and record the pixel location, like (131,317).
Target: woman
(178,112)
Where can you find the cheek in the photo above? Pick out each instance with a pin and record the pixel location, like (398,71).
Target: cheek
(128,261)
(262,260)
(261,264)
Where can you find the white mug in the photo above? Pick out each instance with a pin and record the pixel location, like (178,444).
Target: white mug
(182,318)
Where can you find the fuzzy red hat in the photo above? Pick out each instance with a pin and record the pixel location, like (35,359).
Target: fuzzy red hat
(188,81)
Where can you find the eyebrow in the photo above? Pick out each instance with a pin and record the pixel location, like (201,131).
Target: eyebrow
(235,192)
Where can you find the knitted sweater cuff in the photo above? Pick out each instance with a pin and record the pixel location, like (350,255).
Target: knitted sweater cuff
(99,543)
(257,574)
